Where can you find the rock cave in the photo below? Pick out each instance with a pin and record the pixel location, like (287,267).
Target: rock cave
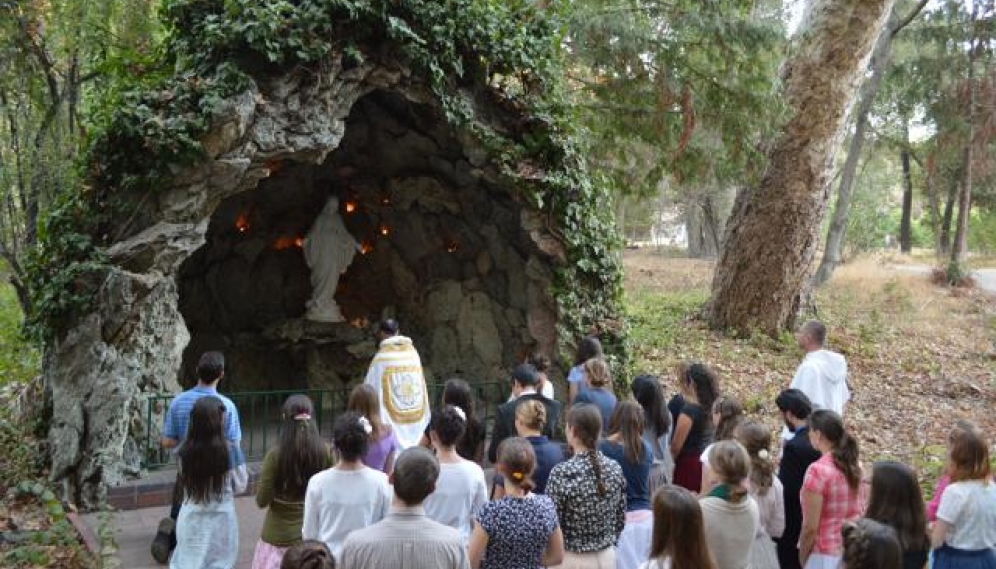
(441,246)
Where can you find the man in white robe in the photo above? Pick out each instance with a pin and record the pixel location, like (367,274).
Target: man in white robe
(822,375)
(396,374)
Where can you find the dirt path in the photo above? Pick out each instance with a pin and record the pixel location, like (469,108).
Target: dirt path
(985,279)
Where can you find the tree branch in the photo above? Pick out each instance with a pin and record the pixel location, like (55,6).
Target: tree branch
(909,17)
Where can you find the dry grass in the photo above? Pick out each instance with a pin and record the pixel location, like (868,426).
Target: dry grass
(920,356)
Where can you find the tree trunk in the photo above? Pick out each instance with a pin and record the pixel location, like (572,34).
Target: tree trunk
(944,241)
(834,248)
(700,243)
(960,245)
(763,273)
(933,201)
(906,224)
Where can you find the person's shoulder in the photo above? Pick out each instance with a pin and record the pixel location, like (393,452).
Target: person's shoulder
(440,533)
(611,466)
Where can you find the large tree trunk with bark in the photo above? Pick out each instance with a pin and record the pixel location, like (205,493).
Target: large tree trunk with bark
(763,273)
(944,240)
(906,222)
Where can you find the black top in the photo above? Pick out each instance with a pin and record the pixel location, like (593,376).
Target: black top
(914,559)
(797,455)
(505,421)
(674,407)
(700,435)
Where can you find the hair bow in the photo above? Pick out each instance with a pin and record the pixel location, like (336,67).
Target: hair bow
(302,417)
(365,423)
(459,412)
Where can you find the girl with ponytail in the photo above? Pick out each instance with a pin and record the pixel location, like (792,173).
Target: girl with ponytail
(831,491)
(626,446)
(286,471)
(766,490)
(589,493)
(519,529)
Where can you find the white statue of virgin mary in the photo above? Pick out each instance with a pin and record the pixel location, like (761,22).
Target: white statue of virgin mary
(328,250)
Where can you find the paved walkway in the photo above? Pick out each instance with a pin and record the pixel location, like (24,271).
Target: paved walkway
(133,532)
(985,279)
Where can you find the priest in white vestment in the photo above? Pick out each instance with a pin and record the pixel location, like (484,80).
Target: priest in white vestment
(396,374)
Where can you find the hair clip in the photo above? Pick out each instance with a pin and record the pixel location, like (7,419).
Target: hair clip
(365,423)
(302,417)
(763,454)
(459,412)
(518,475)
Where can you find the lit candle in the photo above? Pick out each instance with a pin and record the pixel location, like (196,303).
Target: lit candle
(350,207)
(385,230)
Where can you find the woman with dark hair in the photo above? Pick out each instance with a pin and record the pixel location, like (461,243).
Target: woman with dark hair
(460,489)
(284,478)
(964,536)
(767,492)
(212,471)
(542,364)
(649,394)
(520,529)
(693,428)
(589,348)
(727,414)
(897,501)
(457,392)
(589,493)
(870,545)
(383,447)
(679,539)
(349,495)
(831,491)
(626,446)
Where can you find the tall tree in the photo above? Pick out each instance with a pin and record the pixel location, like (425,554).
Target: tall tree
(763,273)
(879,63)
(906,220)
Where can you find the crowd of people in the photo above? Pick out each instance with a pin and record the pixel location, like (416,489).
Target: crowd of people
(641,482)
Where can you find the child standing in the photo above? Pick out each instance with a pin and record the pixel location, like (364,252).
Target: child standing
(284,478)
(212,471)
(767,491)
(964,536)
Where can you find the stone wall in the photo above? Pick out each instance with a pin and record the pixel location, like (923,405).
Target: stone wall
(466,266)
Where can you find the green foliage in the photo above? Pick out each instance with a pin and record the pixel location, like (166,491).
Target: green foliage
(19,359)
(982,231)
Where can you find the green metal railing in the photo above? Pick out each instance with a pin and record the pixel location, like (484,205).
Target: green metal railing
(259,415)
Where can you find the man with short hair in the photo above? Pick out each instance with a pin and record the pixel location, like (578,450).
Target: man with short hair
(406,537)
(524,382)
(210,371)
(396,375)
(797,454)
(822,376)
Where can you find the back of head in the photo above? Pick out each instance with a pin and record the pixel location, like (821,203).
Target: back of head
(309,554)
(204,452)
(968,453)
(449,425)
(415,473)
(210,367)
(525,375)
(589,348)
(731,414)
(896,500)
(539,361)
(517,460)
(389,327)
(596,371)
(795,402)
(363,399)
(870,545)
(649,394)
(586,422)
(627,422)
(703,381)
(351,435)
(844,447)
(531,413)
(302,452)
(679,531)
(816,332)
(756,438)
(731,464)
(457,392)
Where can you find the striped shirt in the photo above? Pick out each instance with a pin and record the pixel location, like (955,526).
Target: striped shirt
(405,539)
(178,415)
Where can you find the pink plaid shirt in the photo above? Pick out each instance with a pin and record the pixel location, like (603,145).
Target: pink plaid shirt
(840,503)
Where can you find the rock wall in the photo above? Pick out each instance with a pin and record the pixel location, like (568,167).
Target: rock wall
(471,307)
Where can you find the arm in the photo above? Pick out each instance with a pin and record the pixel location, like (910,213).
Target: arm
(389,462)
(264,490)
(477,546)
(554,553)
(812,508)
(681,431)
(938,534)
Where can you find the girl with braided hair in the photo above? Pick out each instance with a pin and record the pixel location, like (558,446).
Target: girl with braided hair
(284,478)
(870,545)
(831,491)
(589,492)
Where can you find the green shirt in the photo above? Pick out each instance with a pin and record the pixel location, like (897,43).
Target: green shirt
(282,526)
